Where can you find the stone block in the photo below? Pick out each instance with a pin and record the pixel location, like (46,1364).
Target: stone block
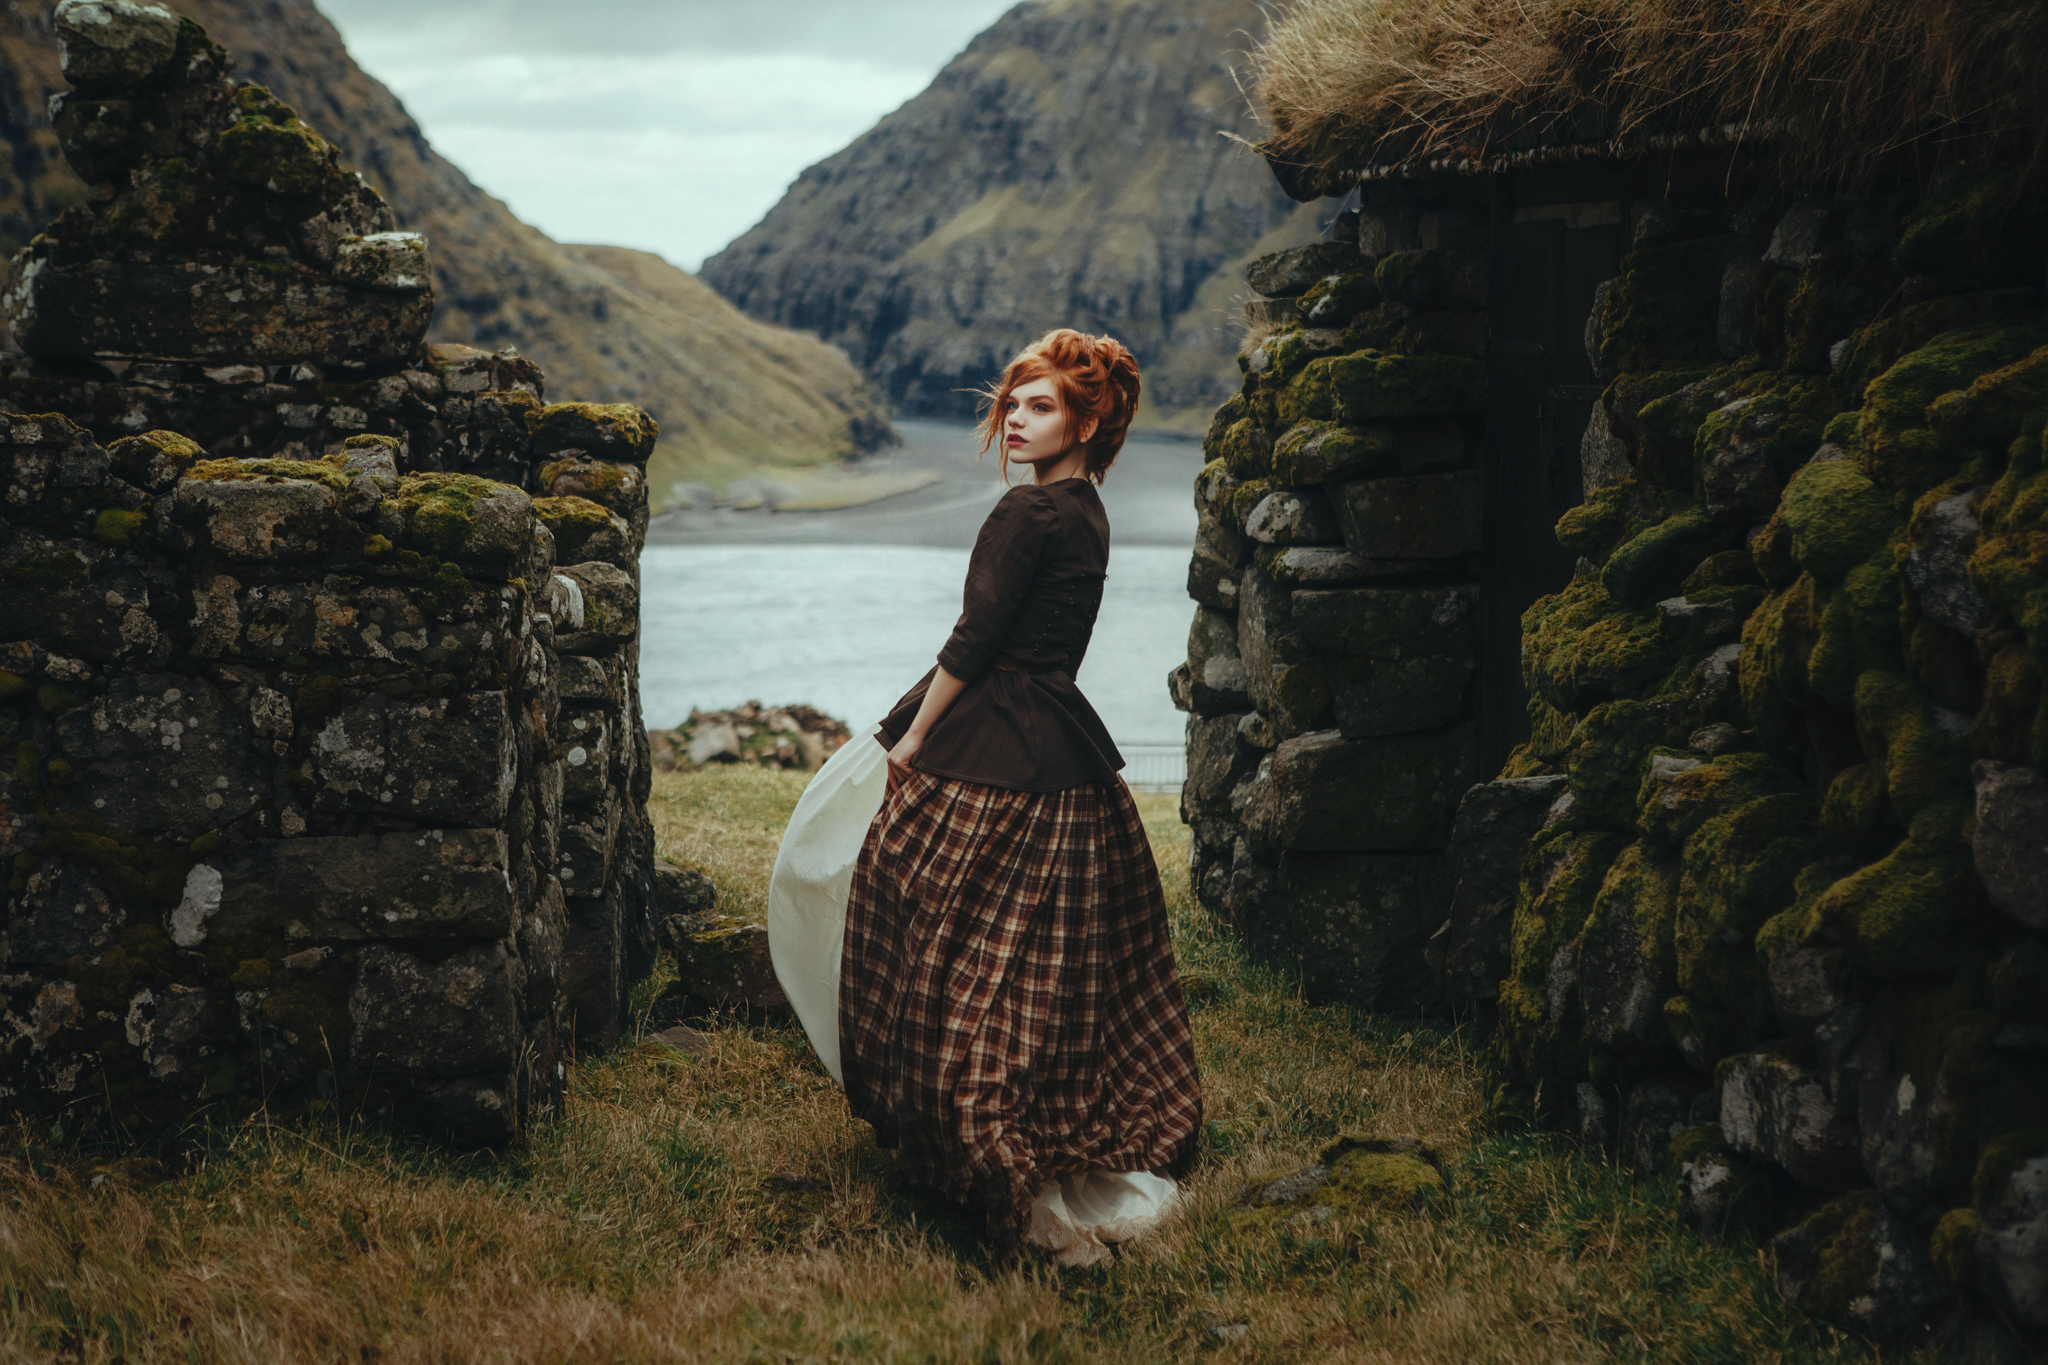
(456,1017)
(681,891)
(1404,657)
(1330,566)
(1774,1108)
(1495,823)
(1423,516)
(1216,765)
(1651,1112)
(288,521)
(582,678)
(163,755)
(62,911)
(437,761)
(612,431)
(1373,386)
(1217,683)
(723,961)
(1213,580)
(1938,563)
(487,528)
(587,756)
(2010,1246)
(603,609)
(1721,1193)
(1293,517)
(593,972)
(584,531)
(107,45)
(1357,924)
(76,598)
(2011,841)
(1293,272)
(212,314)
(1391,793)
(393,262)
(584,859)
(1856,1264)
(436,883)
(1266,643)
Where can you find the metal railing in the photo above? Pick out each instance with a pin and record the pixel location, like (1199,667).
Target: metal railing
(1154,767)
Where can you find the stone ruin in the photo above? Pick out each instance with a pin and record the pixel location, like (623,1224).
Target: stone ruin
(318,661)
(1757,893)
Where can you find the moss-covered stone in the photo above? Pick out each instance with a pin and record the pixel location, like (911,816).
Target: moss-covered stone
(1838,518)
(1610,752)
(1739,871)
(582,529)
(1412,278)
(617,431)
(1651,565)
(1580,647)
(1952,1248)
(1246,451)
(1996,406)
(1973,230)
(1923,755)
(269,146)
(154,460)
(1859,634)
(1663,309)
(1335,299)
(1901,913)
(1371,387)
(1312,452)
(1897,443)
(328,472)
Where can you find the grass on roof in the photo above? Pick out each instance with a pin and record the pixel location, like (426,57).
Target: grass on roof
(1843,87)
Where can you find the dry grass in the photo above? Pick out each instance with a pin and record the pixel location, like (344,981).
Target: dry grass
(1843,84)
(649,1222)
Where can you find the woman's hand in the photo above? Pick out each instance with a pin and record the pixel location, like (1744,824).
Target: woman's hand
(900,756)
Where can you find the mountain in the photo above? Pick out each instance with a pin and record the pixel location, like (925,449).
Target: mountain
(1068,168)
(607,325)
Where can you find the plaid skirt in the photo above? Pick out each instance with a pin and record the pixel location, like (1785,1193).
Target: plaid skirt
(1009,1010)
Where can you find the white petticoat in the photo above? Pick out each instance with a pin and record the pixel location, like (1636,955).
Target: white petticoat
(1076,1217)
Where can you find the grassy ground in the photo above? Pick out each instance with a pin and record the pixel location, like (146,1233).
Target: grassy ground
(725,1208)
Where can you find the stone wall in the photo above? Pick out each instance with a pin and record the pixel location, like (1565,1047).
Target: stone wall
(1789,903)
(1331,667)
(1762,898)
(320,676)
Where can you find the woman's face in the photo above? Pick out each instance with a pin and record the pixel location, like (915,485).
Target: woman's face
(1035,427)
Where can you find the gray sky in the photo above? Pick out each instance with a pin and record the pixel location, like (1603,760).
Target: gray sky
(668,125)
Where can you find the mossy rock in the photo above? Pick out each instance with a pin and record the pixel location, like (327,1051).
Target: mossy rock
(1923,755)
(1875,349)
(271,147)
(584,531)
(1837,518)
(1610,517)
(1352,1177)
(1312,452)
(1667,429)
(2012,723)
(1778,641)
(1704,1034)
(1335,299)
(478,524)
(1974,230)
(617,431)
(1411,278)
(1812,311)
(1670,812)
(1897,443)
(2009,567)
(1580,647)
(1610,754)
(1246,451)
(1306,397)
(1995,408)
(154,460)
(2002,1158)
(1739,871)
(1246,496)
(1232,410)
(1859,634)
(1373,386)
(1651,565)
(1662,311)
(1953,1248)
(328,471)
(1550,734)
(1902,913)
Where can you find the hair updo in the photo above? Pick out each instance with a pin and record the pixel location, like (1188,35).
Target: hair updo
(1096,377)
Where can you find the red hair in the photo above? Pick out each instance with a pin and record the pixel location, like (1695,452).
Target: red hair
(1096,377)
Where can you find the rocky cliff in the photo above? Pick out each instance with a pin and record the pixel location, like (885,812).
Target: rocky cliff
(730,393)
(1066,169)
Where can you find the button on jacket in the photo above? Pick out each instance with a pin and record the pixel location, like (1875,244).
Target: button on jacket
(1034,586)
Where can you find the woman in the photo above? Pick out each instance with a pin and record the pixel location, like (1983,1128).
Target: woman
(1009,1017)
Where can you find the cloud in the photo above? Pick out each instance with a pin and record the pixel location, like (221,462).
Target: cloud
(671,127)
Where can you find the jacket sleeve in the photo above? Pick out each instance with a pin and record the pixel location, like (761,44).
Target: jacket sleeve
(999,576)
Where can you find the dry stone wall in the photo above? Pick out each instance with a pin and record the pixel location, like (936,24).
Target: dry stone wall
(1787,905)
(1330,680)
(320,676)
(1761,902)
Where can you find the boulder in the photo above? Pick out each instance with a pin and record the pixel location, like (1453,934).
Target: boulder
(1422,516)
(2011,840)
(1856,1264)
(1468,953)
(714,744)
(1773,1108)
(606,608)
(680,891)
(2011,1241)
(1652,1113)
(611,431)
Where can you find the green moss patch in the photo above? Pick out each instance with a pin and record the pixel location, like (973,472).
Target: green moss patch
(328,471)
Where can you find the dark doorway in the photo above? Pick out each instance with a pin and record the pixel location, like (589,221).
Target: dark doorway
(1540,393)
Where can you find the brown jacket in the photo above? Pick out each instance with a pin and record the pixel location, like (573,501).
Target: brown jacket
(1034,585)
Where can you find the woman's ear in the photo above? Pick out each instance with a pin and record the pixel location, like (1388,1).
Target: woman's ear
(1087,431)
